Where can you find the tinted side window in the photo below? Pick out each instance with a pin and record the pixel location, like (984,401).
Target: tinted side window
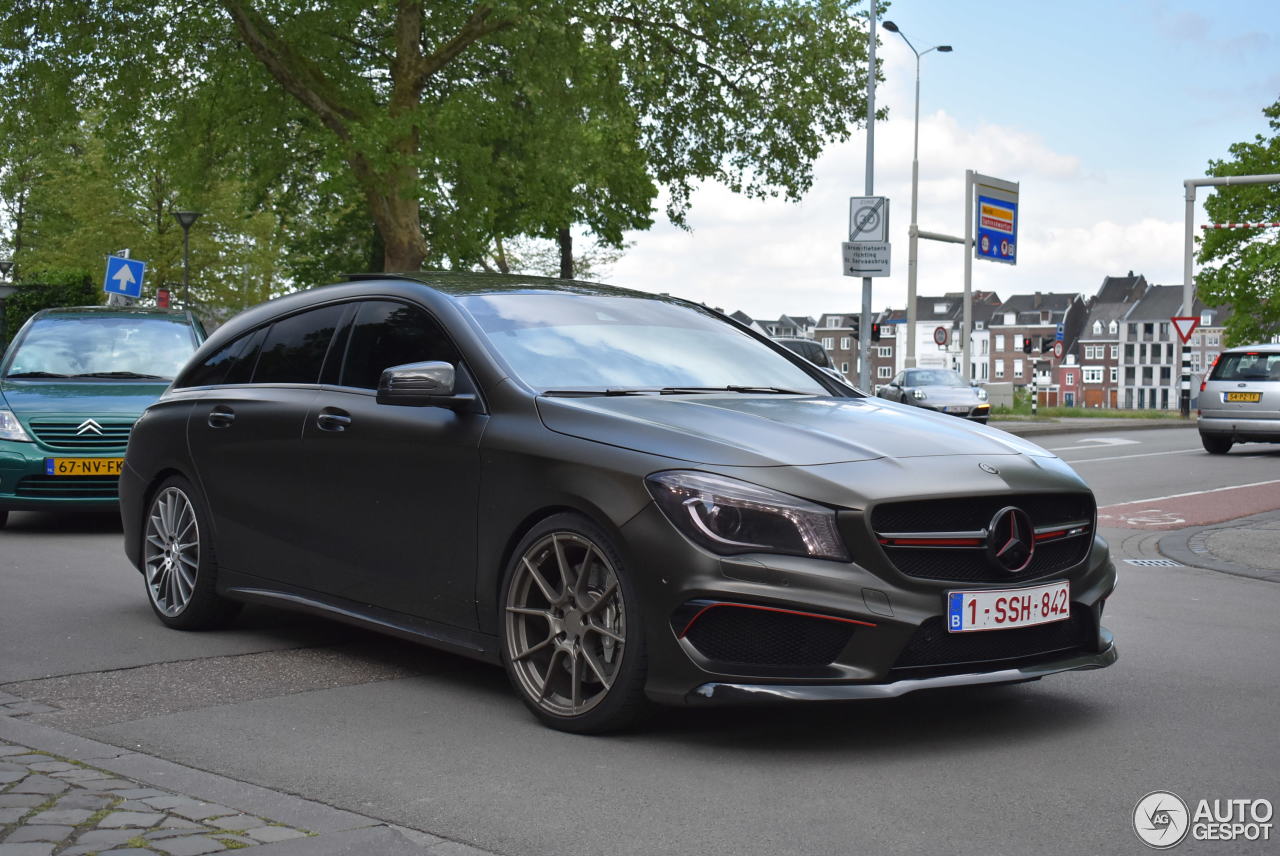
(387,334)
(227,364)
(295,347)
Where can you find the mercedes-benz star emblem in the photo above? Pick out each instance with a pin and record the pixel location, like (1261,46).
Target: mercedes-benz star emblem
(89,426)
(1011,540)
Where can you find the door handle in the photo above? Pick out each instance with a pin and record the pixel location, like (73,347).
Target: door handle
(332,419)
(221,417)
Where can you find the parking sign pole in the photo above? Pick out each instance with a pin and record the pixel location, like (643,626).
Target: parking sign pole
(966,325)
(864,328)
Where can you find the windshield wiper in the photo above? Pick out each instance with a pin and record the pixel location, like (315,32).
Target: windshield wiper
(586,392)
(122,374)
(772,390)
(36,374)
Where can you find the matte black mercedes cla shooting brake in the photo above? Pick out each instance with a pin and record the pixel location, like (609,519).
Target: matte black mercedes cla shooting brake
(621,497)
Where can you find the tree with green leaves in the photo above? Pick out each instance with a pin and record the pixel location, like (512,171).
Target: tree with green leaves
(458,124)
(1243,265)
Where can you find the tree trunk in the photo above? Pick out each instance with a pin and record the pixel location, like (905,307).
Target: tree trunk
(565,238)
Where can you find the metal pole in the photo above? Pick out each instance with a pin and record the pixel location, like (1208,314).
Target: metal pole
(913,232)
(1188,283)
(966,370)
(864,327)
(186,266)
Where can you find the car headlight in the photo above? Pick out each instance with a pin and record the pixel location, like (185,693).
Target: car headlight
(917,394)
(728,516)
(982,393)
(11,428)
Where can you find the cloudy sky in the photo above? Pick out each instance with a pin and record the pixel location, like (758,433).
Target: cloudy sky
(1099,109)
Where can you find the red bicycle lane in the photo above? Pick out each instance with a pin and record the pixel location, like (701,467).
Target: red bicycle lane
(1196,508)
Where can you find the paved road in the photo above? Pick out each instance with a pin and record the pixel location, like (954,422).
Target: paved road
(437,743)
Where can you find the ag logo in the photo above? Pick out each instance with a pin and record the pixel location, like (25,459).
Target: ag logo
(1161,820)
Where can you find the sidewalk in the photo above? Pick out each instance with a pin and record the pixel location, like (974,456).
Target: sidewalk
(1246,546)
(64,794)
(1084,425)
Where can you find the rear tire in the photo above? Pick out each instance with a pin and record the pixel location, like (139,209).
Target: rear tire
(1216,445)
(178,566)
(572,631)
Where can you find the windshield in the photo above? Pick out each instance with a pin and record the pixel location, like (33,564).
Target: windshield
(935,377)
(103,346)
(1247,366)
(555,341)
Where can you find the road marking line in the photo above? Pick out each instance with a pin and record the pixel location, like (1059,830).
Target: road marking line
(1096,442)
(1192,493)
(1140,455)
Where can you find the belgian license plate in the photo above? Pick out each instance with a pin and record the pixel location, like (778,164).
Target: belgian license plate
(1244,396)
(1001,609)
(82,466)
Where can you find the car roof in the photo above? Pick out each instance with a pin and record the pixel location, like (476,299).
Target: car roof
(112,312)
(1270,348)
(469,284)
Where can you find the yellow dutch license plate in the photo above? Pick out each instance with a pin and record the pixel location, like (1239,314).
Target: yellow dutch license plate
(82,466)
(1244,396)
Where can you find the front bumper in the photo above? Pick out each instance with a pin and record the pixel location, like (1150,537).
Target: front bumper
(25,486)
(722,693)
(889,619)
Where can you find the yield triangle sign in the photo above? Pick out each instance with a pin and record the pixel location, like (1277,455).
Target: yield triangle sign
(1185,325)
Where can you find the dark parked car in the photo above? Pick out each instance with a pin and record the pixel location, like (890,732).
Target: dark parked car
(71,385)
(814,353)
(621,497)
(940,390)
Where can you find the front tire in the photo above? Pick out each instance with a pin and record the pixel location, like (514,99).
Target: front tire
(177,561)
(572,634)
(1216,445)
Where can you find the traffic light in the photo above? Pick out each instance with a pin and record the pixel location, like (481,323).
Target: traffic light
(855,324)
(1026,344)
(875,332)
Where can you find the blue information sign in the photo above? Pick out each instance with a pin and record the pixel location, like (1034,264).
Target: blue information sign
(1060,334)
(124,276)
(997,230)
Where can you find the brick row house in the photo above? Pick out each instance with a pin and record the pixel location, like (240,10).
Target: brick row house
(1090,375)
(1036,316)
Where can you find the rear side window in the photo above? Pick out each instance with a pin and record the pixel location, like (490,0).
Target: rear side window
(230,364)
(387,334)
(1247,366)
(295,347)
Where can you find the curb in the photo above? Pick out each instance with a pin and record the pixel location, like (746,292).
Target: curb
(338,832)
(1189,547)
(1035,429)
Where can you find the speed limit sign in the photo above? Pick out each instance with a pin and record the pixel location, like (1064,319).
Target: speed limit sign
(1057,350)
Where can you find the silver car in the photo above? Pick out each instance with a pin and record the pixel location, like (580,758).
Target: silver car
(942,390)
(1240,399)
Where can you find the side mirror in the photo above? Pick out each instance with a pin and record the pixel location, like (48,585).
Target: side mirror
(428,384)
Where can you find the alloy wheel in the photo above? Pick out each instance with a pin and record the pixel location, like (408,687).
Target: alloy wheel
(171,554)
(565,623)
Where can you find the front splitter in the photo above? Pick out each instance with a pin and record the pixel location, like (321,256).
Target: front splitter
(722,693)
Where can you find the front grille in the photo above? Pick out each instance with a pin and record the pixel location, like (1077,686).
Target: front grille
(66,487)
(974,514)
(932,650)
(758,637)
(76,435)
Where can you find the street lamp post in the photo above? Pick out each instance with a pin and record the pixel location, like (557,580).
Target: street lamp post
(186,219)
(6,265)
(913,234)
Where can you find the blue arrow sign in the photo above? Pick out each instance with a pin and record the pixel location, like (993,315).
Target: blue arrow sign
(1060,334)
(124,276)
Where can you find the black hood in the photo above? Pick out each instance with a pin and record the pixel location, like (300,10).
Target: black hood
(772,430)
